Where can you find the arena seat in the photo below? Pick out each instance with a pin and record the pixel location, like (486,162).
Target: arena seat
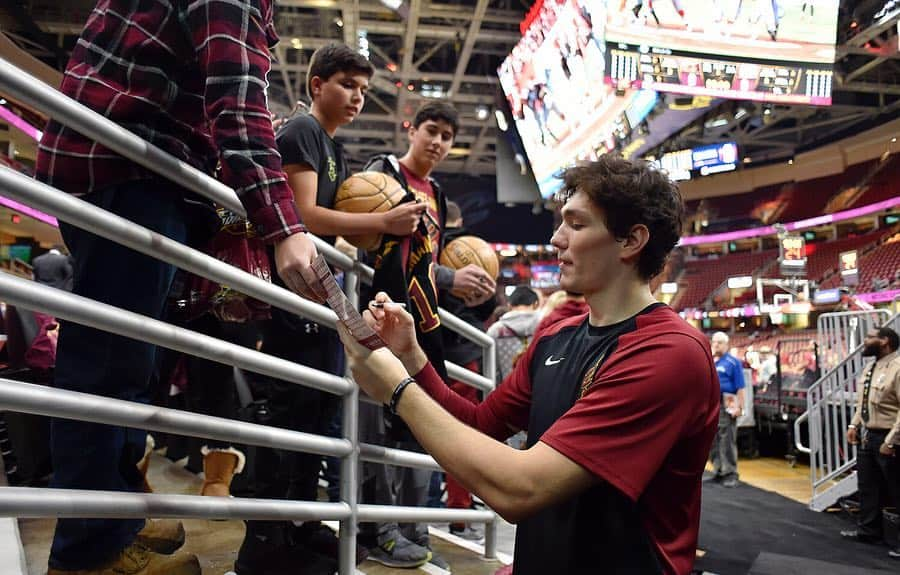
(702,277)
(822,257)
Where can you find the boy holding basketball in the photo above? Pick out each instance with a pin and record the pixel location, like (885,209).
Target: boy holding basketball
(314,163)
(407,269)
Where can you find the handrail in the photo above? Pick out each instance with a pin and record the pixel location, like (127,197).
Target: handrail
(831,401)
(65,305)
(25,87)
(61,403)
(52,402)
(44,502)
(797,441)
(122,231)
(42,400)
(91,218)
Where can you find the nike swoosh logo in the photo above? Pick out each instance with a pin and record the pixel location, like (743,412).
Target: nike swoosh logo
(551,361)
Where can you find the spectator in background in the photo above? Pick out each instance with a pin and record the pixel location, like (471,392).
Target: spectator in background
(768,368)
(561,305)
(54,269)
(336,84)
(876,425)
(513,331)
(724,451)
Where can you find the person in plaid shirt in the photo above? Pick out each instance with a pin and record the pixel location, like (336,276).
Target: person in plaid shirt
(190,78)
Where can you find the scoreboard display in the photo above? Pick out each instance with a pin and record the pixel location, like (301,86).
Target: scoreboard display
(664,70)
(779,51)
(793,255)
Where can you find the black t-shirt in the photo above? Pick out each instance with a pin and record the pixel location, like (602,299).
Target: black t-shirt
(302,140)
(559,368)
(634,403)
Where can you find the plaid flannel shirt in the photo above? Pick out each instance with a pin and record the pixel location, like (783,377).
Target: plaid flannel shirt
(188,76)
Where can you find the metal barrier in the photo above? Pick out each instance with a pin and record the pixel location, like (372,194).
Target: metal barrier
(840,333)
(830,403)
(29,398)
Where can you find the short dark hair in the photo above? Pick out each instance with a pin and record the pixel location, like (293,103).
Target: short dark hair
(522,295)
(892,337)
(631,192)
(437,111)
(333,58)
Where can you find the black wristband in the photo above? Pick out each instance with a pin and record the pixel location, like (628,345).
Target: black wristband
(398,391)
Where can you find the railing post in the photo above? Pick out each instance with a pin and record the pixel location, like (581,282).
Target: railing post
(350,463)
(489,363)
(490,539)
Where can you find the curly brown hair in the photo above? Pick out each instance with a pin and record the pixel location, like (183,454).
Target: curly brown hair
(630,193)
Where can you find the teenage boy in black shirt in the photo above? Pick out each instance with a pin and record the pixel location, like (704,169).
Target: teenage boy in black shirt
(337,82)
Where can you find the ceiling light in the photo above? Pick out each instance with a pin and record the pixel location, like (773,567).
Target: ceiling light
(482,112)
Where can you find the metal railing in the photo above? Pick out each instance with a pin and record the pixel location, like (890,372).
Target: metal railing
(30,398)
(831,402)
(840,333)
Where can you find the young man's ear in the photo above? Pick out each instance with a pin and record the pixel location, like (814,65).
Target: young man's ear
(634,241)
(315,86)
(411,132)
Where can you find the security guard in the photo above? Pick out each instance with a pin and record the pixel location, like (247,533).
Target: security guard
(876,427)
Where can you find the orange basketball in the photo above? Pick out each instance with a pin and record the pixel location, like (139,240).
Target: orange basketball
(368,193)
(466,250)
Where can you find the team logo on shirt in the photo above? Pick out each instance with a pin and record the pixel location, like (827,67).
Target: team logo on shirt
(588,381)
(332,169)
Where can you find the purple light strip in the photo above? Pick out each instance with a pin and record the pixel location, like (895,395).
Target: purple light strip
(798,225)
(28,211)
(35,134)
(879,296)
(19,123)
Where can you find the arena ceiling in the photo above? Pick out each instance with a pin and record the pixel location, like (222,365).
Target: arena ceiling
(452,48)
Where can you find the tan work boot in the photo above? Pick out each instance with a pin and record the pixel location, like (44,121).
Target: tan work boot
(219,467)
(164,536)
(138,560)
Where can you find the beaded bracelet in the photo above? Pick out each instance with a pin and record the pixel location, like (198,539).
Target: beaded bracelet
(398,391)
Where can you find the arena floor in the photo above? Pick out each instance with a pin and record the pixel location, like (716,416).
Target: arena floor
(760,528)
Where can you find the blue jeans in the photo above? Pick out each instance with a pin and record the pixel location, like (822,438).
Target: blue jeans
(103,457)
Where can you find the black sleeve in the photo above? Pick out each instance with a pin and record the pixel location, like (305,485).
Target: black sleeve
(298,143)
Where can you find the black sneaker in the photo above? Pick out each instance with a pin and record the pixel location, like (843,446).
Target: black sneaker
(709,476)
(258,556)
(321,539)
(894,553)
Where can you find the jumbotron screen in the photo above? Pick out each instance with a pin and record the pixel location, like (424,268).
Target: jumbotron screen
(554,81)
(779,51)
